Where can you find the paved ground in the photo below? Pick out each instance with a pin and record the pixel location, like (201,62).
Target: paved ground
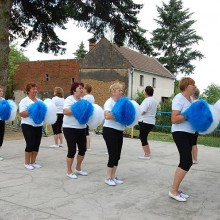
(48,194)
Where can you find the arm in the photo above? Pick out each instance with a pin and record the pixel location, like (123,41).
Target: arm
(24,114)
(67,111)
(108,115)
(176,117)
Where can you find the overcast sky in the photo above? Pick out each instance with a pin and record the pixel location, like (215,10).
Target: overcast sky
(206,14)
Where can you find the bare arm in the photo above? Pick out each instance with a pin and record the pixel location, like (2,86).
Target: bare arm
(67,111)
(108,115)
(176,117)
(24,114)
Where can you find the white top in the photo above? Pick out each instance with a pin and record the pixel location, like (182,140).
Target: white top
(180,103)
(59,102)
(69,121)
(23,106)
(108,106)
(1,98)
(149,105)
(89,98)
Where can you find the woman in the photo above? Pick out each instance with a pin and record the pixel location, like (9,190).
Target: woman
(89,97)
(147,120)
(58,100)
(74,132)
(113,135)
(32,132)
(182,133)
(2,123)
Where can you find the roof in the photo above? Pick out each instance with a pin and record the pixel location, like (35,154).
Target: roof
(144,63)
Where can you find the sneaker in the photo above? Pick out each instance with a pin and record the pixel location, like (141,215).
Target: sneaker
(1,158)
(177,197)
(28,166)
(195,161)
(110,182)
(72,176)
(88,149)
(35,165)
(81,172)
(54,145)
(144,157)
(184,195)
(117,181)
(61,145)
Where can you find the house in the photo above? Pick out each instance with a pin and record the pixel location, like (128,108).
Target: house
(107,63)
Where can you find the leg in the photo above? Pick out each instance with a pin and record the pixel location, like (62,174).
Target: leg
(27,157)
(33,156)
(69,163)
(88,142)
(194,153)
(60,137)
(147,151)
(55,136)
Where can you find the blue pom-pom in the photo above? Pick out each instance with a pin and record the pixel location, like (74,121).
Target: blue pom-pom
(82,110)
(37,112)
(199,115)
(124,111)
(5,110)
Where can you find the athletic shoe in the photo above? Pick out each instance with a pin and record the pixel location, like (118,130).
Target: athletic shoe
(144,157)
(177,197)
(81,172)
(117,181)
(184,195)
(28,166)
(110,182)
(61,145)
(54,145)
(88,149)
(35,165)
(195,161)
(72,176)
(1,158)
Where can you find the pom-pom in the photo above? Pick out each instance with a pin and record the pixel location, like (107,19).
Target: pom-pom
(124,111)
(14,109)
(97,117)
(51,115)
(5,110)
(137,113)
(82,110)
(37,112)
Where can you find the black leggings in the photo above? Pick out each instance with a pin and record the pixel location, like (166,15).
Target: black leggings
(114,141)
(2,131)
(32,136)
(144,131)
(57,127)
(183,141)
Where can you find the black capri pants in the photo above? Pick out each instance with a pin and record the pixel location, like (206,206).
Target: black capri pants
(144,131)
(183,141)
(114,141)
(75,136)
(32,136)
(195,137)
(57,126)
(2,131)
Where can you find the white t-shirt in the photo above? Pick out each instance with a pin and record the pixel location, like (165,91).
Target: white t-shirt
(59,102)
(1,98)
(180,103)
(23,106)
(149,105)
(108,106)
(89,98)
(69,121)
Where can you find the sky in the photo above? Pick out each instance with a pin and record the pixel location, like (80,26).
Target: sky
(206,14)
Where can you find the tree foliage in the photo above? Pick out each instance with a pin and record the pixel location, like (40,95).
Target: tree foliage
(174,39)
(211,94)
(80,52)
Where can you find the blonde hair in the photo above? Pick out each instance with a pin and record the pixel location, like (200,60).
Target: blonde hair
(115,86)
(59,92)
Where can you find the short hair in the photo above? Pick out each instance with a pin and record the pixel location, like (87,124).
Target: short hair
(115,86)
(149,90)
(29,86)
(88,88)
(59,92)
(185,82)
(74,86)
(196,93)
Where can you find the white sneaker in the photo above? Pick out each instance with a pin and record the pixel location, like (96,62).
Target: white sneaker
(144,157)
(28,166)
(184,195)
(88,149)
(72,176)
(35,165)
(81,172)
(177,197)
(195,161)
(110,182)
(54,145)
(1,158)
(61,145)
(117,181)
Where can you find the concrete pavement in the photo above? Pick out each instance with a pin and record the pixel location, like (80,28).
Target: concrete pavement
(47,193)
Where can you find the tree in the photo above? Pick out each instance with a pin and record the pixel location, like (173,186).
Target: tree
(33,20)
(15,56)
(174,39)
(211,94)
(81,52)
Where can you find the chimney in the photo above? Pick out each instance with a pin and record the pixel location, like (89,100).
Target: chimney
(92,43)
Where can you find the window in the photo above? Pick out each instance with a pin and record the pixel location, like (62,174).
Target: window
(154,83)
(47,77)
(141,80)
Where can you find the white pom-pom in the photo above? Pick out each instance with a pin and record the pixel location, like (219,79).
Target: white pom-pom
(14,109)
(97,117)
(51,115)
(137,113)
